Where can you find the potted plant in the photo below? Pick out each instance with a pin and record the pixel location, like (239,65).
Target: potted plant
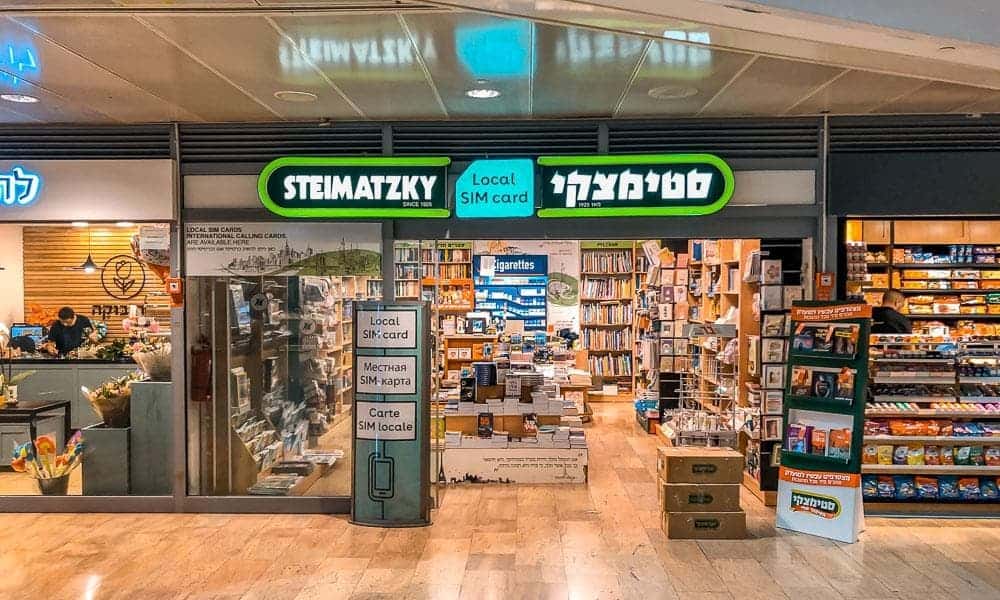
(106,468)
(51,472)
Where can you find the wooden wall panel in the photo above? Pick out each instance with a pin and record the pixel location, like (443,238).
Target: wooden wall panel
(50,254)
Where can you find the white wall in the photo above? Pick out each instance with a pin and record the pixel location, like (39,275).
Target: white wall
(12,277)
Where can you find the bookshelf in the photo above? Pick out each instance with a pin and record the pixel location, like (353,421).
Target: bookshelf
(406,264)
(607,310)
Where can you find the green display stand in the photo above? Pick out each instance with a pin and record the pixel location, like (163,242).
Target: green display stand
(819,487)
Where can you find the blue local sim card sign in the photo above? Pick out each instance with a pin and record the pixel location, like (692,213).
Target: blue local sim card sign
(496,189)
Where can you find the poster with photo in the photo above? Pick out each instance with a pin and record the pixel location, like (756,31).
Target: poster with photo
(282,248)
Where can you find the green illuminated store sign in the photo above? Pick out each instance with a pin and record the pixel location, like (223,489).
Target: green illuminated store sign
(369,187)
(634,185)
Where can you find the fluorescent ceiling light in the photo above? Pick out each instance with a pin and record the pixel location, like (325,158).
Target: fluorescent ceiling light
(125,224)
(80,224)
(482,93)
(19,98)
(672,92)
(295,96)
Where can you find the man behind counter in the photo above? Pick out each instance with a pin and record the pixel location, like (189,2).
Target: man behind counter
(887,318)
(71,331)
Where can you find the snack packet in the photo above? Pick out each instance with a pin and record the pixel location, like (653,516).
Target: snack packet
(906,488)
(915,454)
(932,455)
(927,487)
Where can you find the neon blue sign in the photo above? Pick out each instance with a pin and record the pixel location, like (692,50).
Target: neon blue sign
(499,189)
(499,49)
(16,63)
(19,187)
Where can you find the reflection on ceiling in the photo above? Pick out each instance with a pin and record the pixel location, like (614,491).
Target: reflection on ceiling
(246,65)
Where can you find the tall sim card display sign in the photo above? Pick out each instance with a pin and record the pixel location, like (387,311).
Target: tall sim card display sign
(819,484)
(391,442)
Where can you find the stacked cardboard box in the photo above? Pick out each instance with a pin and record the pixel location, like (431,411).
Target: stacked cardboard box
(699,493)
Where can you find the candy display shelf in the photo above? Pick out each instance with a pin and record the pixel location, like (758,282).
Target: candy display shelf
(911,441)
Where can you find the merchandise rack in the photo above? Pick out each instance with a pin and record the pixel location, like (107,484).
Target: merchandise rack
(920,258)
(607,283)
(945,357)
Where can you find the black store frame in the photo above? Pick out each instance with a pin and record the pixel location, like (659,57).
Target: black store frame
(243,149)
(911,167)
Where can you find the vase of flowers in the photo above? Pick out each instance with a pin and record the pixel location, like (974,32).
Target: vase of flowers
(9,381)
(111,400)
(153,359)
(39,460)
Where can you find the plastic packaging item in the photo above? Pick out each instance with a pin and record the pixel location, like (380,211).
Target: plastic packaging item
(905,487)
(886,486)
(948,487)
(992,456)
(988,489)
(885,455)
(968,488)
(932,455)
(976,456)
(915,454)
(963,455)
(869,454)
(899,455)
(947,455)
(927,488)
(869,486)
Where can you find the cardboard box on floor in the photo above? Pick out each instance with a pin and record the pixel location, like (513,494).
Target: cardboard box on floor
(705,525)
(685,464)
(705,497)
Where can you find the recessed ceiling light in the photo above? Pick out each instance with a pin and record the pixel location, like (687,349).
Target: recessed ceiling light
(672,92)
(294,96)
(125,224)
(482,93)
(19,98)
(80,224)
(947,49)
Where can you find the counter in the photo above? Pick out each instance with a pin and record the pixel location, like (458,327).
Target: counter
(60,379)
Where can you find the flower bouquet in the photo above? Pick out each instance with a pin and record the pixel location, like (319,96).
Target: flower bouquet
(9,381)
(112,400)
(51,471)
(153,359)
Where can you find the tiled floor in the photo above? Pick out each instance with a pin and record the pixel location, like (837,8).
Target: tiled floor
(597,541)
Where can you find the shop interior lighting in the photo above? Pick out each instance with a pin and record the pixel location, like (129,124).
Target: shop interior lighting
(80,224)
(482,93)
(19,98)
(88,266)
(295,96)
(124,224)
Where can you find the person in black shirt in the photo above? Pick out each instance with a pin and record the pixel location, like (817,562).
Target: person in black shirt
(887,318)
(71,331)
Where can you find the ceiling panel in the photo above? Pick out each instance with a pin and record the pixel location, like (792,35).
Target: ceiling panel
(124,46)
(257,66)
(370,57)
(936,97)
(769,86)
(582,72)
(678,79)
(25,55)
(465,51)
(857,92)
